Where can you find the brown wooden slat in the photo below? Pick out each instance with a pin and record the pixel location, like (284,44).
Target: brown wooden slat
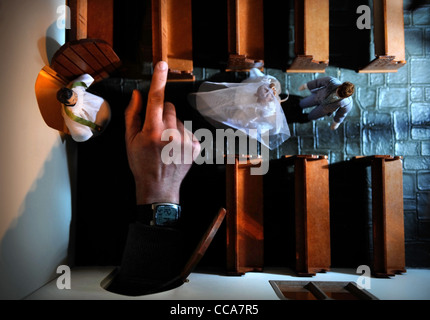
(317,215)
(89,59)
(311,36)
(394,221)
(109,53)
(245,34)
(78,61)
(389,38)
(312,213)
(172,37)
(99,55)
(78,18)
(306,64)
(316,20)
(387,214)
(321,290)
(387,217)
(100,22)
(59,68)
(66,63)
(92,56)
(245,234)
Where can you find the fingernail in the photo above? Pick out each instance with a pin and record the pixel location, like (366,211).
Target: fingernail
(162,65)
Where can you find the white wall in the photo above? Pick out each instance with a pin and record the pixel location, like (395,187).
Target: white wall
(35,187)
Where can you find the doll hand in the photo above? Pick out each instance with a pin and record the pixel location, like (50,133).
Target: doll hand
(303,87)
(334,125)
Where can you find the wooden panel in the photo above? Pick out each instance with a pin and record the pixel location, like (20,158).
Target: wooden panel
(311,36)
(91,19)
(245,234)
(159,30)
(318,214)
(78,19)
(316,23)
(245,34)
(90,60)
(389,37)
(320,290)
(387,216)
(394,29)
(312,214)
(100,20)
(100,55)
(64,66)
(91,56)
(306,64)
(172,37)
(382,64)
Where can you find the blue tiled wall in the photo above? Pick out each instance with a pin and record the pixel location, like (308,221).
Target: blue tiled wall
(391,116)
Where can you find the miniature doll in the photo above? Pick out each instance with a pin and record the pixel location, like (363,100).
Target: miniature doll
(330,96)
(85,114)
(252,104)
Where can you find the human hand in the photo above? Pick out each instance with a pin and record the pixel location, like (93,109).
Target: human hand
(334,125)
(155,180)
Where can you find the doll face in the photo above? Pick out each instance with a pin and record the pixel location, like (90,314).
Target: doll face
(73,99)
(265,93)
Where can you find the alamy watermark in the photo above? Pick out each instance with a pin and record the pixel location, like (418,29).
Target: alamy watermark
(63,21)
(363,281)
(65,279)
(177,153)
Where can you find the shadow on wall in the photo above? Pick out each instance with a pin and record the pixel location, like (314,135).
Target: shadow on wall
(37,240)
(48,45)
(349,46)
(351,214)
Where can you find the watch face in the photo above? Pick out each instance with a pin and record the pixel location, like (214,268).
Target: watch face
(166,214)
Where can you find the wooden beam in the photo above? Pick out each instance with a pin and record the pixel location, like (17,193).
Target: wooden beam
(245,234)
(95,57)
(387,216)
(172,37)
(245,34)
(78,19)
(389,37)
(312,214)
(311,36)
(100,20)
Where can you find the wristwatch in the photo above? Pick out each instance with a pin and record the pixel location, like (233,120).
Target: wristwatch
(159,214)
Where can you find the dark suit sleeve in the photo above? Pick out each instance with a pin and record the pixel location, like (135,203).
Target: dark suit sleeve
(153,257)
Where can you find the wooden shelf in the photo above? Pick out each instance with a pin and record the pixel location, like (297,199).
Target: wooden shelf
(389,37)
(311,36)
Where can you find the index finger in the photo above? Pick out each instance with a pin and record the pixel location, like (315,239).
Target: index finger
(154,108)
